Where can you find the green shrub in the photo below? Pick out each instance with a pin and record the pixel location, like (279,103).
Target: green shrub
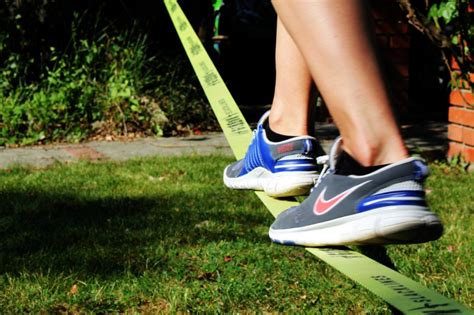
(108,85)
(97,83)
(449,25)
(181,97)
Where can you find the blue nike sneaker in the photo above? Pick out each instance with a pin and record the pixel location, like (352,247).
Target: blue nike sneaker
(281,169)
(386,206)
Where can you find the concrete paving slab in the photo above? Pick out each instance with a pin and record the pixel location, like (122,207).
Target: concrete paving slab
(430,139)
(33,156)
(124,150)
(200,145)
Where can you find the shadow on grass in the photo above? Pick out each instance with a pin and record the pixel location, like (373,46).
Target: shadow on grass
(379,254)
(56,233)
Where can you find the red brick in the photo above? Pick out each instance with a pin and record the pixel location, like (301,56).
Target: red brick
(462,116)
(455,132)
(468,118)
(391,27)
(399,41)
(463,84)
(468,153)
(397,84)
(382,10)
(382,41)
(455,149)
(468,136)
(461,98)
(397,55)
(455,115)
(400,98)
(454,64)
(402,69)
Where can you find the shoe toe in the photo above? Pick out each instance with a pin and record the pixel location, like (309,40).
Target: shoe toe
(234,169)
(286,219)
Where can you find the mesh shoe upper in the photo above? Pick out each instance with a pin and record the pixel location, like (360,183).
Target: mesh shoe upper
(294,155)
(337,196)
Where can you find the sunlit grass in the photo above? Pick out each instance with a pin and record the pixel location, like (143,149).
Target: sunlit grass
(164,235)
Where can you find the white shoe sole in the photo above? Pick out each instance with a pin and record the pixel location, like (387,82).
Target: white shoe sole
(388,225)
(282,184)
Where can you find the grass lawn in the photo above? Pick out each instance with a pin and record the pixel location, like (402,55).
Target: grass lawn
(164,235)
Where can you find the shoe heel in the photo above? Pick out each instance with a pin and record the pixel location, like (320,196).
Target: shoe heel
(294,185)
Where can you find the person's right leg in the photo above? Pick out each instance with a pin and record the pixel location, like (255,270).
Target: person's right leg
(335,40)
(381,201)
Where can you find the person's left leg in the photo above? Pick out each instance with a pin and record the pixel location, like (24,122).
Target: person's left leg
(289,114)
(281,159)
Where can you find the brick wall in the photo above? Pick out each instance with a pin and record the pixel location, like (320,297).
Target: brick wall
(461,121)
(391,29)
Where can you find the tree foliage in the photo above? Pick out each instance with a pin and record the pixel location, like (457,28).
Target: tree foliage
(448,24)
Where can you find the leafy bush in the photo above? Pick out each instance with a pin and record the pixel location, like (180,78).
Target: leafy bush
(180,96)
(448,24)
(97,84)
(101,85)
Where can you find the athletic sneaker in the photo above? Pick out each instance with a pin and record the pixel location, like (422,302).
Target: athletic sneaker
(386,206)
(281,169)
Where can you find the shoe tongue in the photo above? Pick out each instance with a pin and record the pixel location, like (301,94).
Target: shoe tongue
(334,153)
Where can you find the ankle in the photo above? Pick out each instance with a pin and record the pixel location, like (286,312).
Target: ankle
(274,136)
(347,165)
(376,153)
(288,124)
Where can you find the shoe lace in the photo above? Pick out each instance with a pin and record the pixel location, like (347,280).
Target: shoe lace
(321,160)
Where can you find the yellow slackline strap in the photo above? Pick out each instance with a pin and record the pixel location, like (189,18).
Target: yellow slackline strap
(403,293)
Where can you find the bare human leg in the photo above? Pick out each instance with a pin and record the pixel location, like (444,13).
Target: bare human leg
(281,159)
(334,39)
(290,107)
(387,204)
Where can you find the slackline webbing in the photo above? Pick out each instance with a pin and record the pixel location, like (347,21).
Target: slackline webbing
(401,292)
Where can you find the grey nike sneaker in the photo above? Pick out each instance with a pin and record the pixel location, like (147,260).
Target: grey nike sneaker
(387,206)
(281,169)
